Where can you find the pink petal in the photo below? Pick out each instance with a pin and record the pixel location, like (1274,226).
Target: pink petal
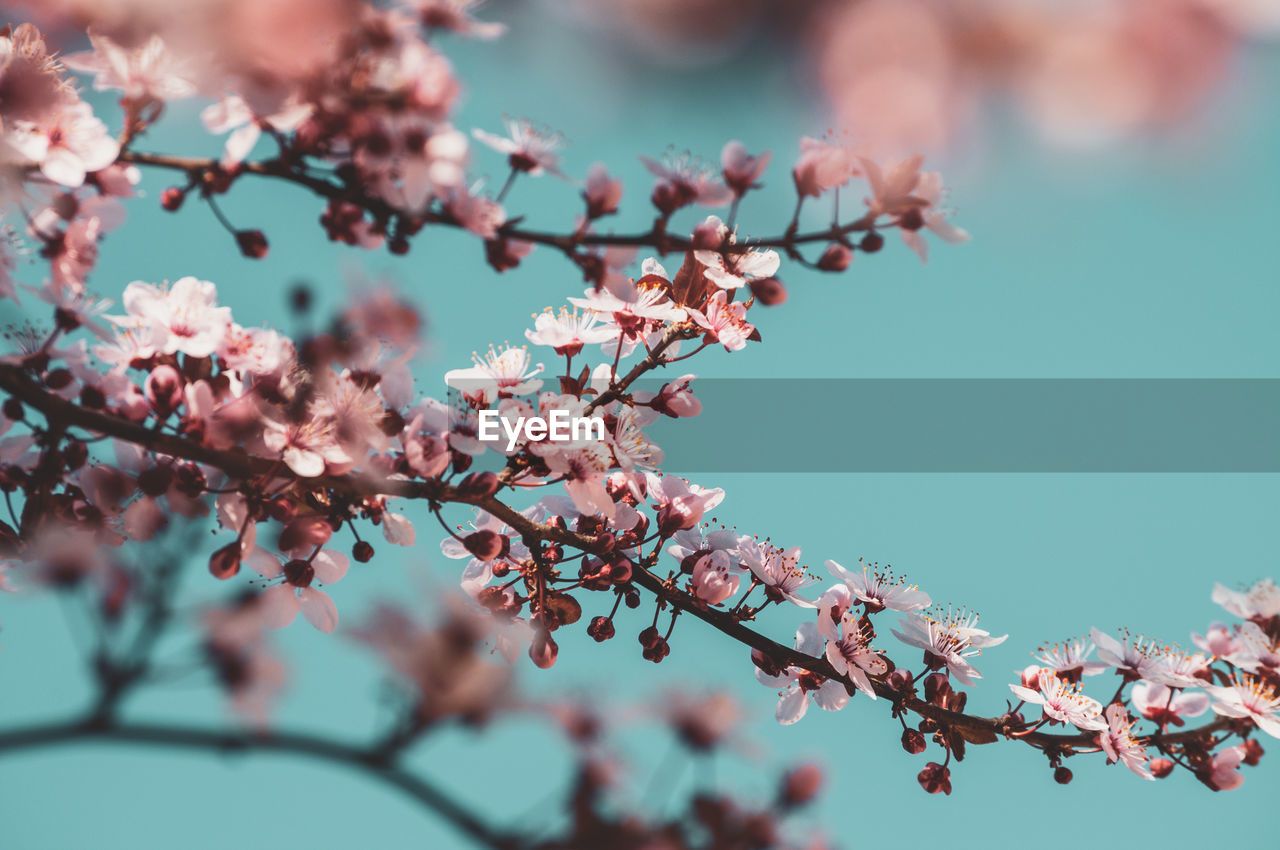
(318,608)
(279,606)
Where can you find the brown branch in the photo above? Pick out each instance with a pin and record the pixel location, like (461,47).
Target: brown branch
(234,742)
(658,240)
(242,465)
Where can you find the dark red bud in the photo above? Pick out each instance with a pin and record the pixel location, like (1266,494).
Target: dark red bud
(1160,768)
(913,741)
(543,650)
(252,243)
(171,199)
(479,485)
(871,243)
(1062,775)
(362,551)
(769,291)
(486,544)
(935,778)
(800,785)
(836,258)
(226,561)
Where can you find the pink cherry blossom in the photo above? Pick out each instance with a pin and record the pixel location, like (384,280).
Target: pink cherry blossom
(715,577)
(1224,773)
(741,170)
(880,589)
(528,148)
(822,166)
(795,685)
(724,321)
(500,372)
(234,115)
(936,218)
(1063,702)
(1250,698)
(850,653)
(66,144)
(778,570)
(281,602)
(567,332)
(602,192)
(183,318)
(1070,660)
(682,180)
(148,71)
(1118,743)
(733,269)
(1261,601)
(948,639)
(1163,705)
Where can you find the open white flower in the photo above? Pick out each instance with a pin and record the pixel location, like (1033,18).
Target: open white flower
(1251,698)
(1118,743)
(949,639)
(879,590)
(1063,702)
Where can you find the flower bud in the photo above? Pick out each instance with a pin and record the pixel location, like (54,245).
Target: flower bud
(225,562)
(253,244)
(912,219)
(171,199)
(706,236)
(478,485)
(769,291)
(600,629)
(836,258)
(913,741)
(308,531)
(936,687)
(650,636)
(871,243)
(800,785)
(543,650)
(164,390)
(1252,752)
(362,551)
(1031,677)
(935,778)
(486,544)
(1160,768)
(1062,775)
(900,680)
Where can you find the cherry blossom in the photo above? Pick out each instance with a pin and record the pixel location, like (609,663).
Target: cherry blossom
(183,318)
(850,653)
(724,321)
(1260,601)
(146,72)
(1250,698)
(66,144)
(795,685)
(281,602)
(1167,707)
(568,331)
(1063,702)
(734,269)
(528,148)
(683,180)
(936,219)
(778,570)
(948,639)
(1118,743)
(506,371)
(1223,771)
(741,170)
(880,590)
(822,166)
(1070,660)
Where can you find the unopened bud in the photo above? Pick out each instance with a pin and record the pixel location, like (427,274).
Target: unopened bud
(800,785)
(935,778)
(486,544)
(362,551)
(913,741)
(1062,775)
(1160,768)
(253,243)
(226,561)
(769,291)
(836,258)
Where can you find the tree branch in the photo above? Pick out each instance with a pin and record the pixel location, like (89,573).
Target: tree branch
(296,743)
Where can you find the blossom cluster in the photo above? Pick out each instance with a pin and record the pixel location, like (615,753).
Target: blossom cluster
(291,445)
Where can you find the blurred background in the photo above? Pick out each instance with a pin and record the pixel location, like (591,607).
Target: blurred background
(1115,165)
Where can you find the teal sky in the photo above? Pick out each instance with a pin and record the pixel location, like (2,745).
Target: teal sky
(1147,260)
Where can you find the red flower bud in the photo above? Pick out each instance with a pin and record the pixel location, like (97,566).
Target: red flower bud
(600,629)
(171,199)
(164,390)
(543,650)
(486,544)
(479,485)
(935,778)
(913,741)
(226,561)
(362,551)
(800,785)
(1160,768)
(836,258)
(253,243)
(769,291)
(871,243)
(1062,775)
(1252,752)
